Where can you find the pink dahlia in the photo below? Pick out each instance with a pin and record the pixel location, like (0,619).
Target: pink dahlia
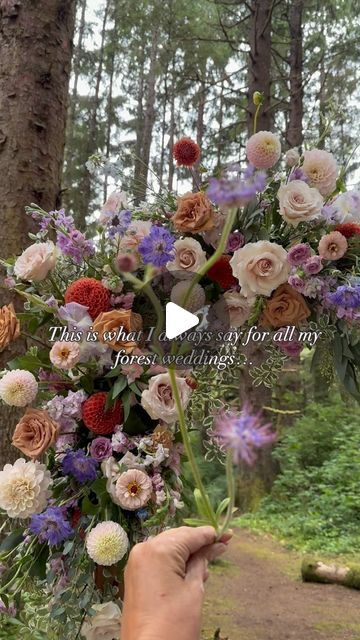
(18,388)
(321,168)
(333,246)
(133,489)
(263,149)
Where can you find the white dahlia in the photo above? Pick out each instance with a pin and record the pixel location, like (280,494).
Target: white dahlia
(196,299)
(18,388)
(24,488)
(107,543)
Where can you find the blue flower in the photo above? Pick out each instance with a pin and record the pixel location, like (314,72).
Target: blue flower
(236,191)
(142,514)
(51,526)
(80,466)
(158,247)
(345,296)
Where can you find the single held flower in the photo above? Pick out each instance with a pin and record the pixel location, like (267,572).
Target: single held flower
(64,355)
(263,149)
(158,247)
(104,623)
(51,526)
(186,152)
(243,433)
(133,489)
(333,246)
(18,388)
(107,543)
(80,466)
(97,418)
(24,488)
(90,293)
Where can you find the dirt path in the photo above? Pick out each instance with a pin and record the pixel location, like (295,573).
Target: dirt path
(256,594)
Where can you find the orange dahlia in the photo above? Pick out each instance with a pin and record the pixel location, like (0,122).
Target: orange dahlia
(90,293)
(348,229)
(186,152)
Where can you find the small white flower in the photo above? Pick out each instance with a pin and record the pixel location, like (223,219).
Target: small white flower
(107,543)
(24,488)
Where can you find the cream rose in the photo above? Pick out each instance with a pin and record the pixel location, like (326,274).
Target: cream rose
(237,307)
(260,267)
(36,261)
(104,624)
(158,399)
(189,257)
(299,202)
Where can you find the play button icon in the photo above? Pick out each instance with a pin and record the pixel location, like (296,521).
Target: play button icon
(178,320)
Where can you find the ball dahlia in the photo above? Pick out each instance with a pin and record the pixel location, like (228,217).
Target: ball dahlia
(196,299)
(186,152)
(263,149)
(221,273)
(24,488)
(18,388)
(97,418)
(90,293)
(107,543)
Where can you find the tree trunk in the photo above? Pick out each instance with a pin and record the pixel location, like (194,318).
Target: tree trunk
(260,63)
(294,133)
(172,130)
(317,571)
(199,129)
(109,106)
(36,46)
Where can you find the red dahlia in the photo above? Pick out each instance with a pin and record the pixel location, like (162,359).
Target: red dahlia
(98,419)
(221,273)
(348,229)
(186,152)
(90,293)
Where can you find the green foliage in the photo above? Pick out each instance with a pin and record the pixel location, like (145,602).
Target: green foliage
(315,502)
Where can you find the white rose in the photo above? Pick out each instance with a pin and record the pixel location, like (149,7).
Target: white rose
(347,207)
(36,261)
(260,267)
(237,307)
(299,202)
(104,624)
(158,399)
(189,258)
(292,157)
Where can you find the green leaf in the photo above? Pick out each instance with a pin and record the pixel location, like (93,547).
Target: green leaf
(12,541)
(38,569)
(222,506)
(118,387)
(195,522)
(88,508)
(125,399)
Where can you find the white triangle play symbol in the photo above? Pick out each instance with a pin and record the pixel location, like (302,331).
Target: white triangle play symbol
(178,320)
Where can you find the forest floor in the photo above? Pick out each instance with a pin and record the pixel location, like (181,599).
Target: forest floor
(256,593)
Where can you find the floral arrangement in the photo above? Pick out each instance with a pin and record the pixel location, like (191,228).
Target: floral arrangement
(274,247)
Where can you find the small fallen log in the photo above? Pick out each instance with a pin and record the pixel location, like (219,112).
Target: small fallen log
(313,570)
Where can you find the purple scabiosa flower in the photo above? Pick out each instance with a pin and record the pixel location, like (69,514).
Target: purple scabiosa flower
(243,433)
(158,247)
(231,192)
(235,241)
(80,466)
(296,282)
(298,254)
(119,223)
(51,526)
(100,449)
(142,514)
(313,265)
(345,296)
(298,174)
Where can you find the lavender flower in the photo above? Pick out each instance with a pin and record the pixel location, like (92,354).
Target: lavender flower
(298,174)
(118,223)
(158,247)
(75,245)
(243,433)
(313,265)
(346,300)
(296,282)
(236,240)
(66,410)
(298,254)
(80,466)
(100,449)
(51,526)
(232,192)
(120,442)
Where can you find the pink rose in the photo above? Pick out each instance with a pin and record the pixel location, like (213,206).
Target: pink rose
(260,267)
(158,399)
(189,257)
(36,261)
(299,202)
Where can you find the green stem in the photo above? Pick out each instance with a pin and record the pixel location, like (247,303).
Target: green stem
(189,452)
(256,116)
(231,492)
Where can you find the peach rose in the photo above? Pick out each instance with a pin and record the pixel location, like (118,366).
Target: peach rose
(9,325)
(36,262)
(285,307)
(194,213)
(35,433)
(260,267)
(299,202)
(189,257)
(238,307)
(321,168)
(108,323)
(158,399)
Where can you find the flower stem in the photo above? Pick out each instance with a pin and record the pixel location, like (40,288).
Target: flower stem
(256,116)
(231,492)
(189,452)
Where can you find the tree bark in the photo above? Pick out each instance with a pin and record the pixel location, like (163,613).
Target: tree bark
(294,133)
(260,63)
(36,47)
(313,570)
(200,127)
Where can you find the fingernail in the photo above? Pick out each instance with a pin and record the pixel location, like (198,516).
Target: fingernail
(226,537)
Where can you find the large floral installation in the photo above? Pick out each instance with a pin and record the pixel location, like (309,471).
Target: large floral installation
(274,245)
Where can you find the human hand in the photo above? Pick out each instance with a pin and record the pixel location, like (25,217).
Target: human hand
(164,584)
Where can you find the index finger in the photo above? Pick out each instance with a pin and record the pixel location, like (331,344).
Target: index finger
(193,539)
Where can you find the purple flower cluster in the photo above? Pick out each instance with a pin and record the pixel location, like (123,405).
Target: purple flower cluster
(123,301)
(235,241)
(118,223)
(298,254)
(243,433)
(80,466)
(100,449)
(69,240)
(66,410)
(51,526)
(346,299)
(157,248)
(232,192)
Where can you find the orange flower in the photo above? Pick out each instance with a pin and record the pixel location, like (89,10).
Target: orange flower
(186,152)
(35,433)
(285,307)
(9,326)
(194,213)
(108,324)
